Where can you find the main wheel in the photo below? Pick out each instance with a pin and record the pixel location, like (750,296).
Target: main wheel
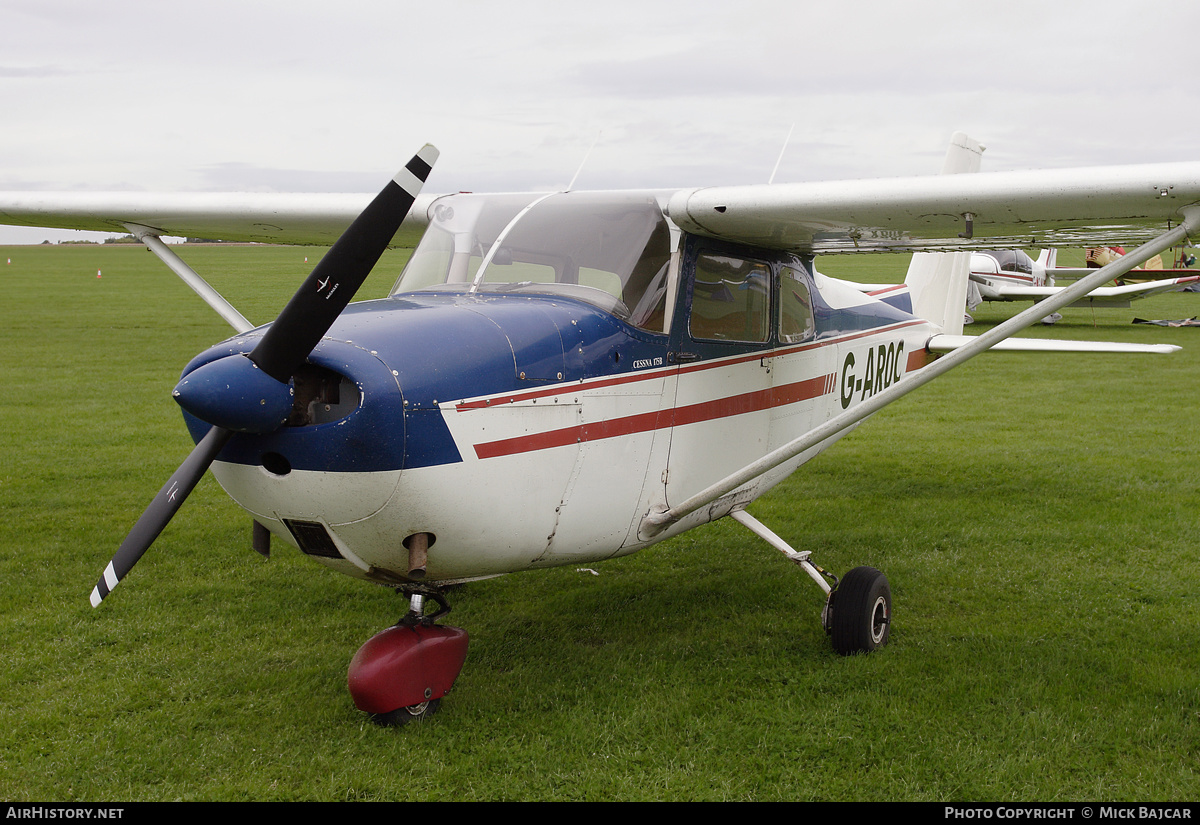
(861,612)
(402,716)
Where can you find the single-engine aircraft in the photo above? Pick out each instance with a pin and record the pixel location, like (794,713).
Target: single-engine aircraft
(1012,275)
(571,376)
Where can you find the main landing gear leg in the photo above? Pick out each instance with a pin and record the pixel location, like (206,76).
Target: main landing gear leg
(401,674)
(858,609)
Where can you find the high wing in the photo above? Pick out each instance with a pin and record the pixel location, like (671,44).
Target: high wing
(947,213)
(1158,204)
(1069,207)
(986,210)
(1105,296)
(282,218)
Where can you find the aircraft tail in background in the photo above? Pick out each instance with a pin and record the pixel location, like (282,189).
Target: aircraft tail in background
(937,281)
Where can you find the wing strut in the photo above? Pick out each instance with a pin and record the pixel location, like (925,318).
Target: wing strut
(189,276)
(659,518)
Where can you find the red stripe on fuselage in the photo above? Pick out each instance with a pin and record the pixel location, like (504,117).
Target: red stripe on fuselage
(1006,276)
(919,358)
(644,422)
(649,375)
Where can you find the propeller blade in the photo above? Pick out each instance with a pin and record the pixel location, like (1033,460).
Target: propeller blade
(281,350)
(331,285)
(161,509)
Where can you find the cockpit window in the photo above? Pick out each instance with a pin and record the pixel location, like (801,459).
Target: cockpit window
(731,299)
(613,250)
(1012,260)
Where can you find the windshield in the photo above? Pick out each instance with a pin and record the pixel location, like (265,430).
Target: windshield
(613,250)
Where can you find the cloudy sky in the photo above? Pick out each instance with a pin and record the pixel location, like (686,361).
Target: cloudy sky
(336,95)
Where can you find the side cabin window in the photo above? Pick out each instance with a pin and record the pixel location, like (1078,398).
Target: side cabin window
(731,299)
(796,322)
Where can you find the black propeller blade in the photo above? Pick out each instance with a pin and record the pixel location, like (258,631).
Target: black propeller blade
(169,499)
(285,345)
(321,298)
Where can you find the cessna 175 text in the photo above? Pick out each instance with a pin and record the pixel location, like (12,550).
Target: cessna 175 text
(593,371)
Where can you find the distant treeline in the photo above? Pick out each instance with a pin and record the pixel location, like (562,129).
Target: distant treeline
(124,239)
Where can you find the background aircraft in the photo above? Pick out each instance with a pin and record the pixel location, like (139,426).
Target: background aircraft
(568,377)
(1011,275)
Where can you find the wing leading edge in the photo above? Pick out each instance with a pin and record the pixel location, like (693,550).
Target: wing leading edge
(276,217)
(1069,207)
(1114,296)
(1066,207)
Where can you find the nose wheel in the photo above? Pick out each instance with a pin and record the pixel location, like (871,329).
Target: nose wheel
(401,674)
(402,716)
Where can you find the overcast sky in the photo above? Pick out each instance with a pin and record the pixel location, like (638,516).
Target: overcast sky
(336,95)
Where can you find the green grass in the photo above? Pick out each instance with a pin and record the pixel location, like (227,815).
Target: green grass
(1036,516)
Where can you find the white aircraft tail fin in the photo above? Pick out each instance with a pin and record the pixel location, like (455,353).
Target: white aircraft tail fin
(1048,258)
(937,281)
(964,155)
(937,284)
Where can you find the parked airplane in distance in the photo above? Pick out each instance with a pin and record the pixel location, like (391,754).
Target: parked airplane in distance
(1011,275)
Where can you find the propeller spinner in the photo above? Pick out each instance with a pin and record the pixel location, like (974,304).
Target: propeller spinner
(264,396)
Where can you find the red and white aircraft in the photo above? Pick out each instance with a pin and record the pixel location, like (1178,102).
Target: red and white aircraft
(1012,275)
(566,377)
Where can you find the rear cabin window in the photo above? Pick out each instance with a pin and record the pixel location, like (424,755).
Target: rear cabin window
(795,308)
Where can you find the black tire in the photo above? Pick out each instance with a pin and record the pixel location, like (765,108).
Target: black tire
(402,716)
(862,612)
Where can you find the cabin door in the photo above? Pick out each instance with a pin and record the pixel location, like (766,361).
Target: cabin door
(722,343)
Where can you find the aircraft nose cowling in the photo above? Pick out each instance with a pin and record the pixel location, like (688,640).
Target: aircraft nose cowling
(345,413)
(233,393)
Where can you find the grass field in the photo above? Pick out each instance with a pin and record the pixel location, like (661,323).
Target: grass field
(1036,516)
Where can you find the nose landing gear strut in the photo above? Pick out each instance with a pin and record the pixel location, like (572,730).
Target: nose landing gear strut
(402,673)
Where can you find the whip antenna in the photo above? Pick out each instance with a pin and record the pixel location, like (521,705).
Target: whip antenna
(586,155)
(779,160)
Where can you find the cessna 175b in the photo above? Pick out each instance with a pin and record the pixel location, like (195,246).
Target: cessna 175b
(593,371)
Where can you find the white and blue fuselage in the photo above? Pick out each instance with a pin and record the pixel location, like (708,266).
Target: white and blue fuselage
(546,372)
